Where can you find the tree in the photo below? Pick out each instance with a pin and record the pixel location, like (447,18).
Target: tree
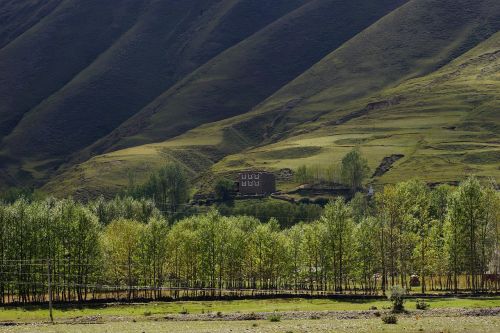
(153,245)
(120,242)
(168,188)
(467,216)
(367,254)
(354,169)
(302,174)
(339,226)
(418,224)
(224,189)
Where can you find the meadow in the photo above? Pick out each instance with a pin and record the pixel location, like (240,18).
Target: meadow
(295,315)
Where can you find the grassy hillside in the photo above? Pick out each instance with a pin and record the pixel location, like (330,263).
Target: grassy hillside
(44,58)
(19,16)
(101,74)
(445,123)
(238,83)
(243,76)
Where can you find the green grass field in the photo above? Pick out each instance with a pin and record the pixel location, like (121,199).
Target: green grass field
(434,325)
(153,317)
(36,313)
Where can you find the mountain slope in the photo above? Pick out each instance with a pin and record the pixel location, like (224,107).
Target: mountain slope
(19,16)
(65,100)
(243,76)
(48,55)
(445,125)
(403,98)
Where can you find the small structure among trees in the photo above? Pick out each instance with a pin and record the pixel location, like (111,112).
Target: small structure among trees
(256,183)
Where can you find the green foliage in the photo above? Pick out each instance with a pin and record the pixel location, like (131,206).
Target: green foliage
(127,243)
(274,318)
(124,207)
(471,229)
(286,213)
(422,305)
(390,319)
(397,297)
(13,194)
(317,174)
(224,189)
(354,169)
(168,187)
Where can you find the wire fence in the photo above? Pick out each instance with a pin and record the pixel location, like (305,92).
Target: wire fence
(42,280)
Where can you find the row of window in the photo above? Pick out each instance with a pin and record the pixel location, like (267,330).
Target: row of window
(250,176)
(250,183)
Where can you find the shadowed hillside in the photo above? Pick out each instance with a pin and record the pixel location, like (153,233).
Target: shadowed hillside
(222,85)
(19,16)
(240,78)
(161,46)
(104,72)
(445,124)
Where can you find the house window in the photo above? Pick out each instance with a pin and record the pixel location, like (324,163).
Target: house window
(257,183)
(250,176)
(244,176)
(244,184)
(257,176)
(250,183)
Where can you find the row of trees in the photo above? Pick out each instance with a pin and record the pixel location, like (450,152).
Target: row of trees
(448,236)
(351,172)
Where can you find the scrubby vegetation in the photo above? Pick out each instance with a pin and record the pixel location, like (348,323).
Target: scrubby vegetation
(390,319)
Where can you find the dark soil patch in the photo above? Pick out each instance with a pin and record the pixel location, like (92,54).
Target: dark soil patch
(387,164)
(290,153)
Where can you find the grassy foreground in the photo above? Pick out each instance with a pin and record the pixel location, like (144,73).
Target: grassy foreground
(470,324)
(142,311)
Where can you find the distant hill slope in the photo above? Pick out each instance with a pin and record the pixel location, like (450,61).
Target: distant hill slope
(157,51)
(445,122)
(66,83)
(19,16)
(221,85)
(240,78)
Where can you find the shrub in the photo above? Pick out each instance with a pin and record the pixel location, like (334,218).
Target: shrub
(184,311)
(422,305)
(147,313)
(397,297)
(390,319)
(377,313)
(219,314)
(251,316)
(274,318)
(224,189)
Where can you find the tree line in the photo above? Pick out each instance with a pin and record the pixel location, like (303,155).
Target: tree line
(125,248)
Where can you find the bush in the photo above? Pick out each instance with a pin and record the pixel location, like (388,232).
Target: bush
(390,319)
(147,313)
(422,305)
(274,318)
(397,297)
(184,311)
(224,189)
(251,316)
